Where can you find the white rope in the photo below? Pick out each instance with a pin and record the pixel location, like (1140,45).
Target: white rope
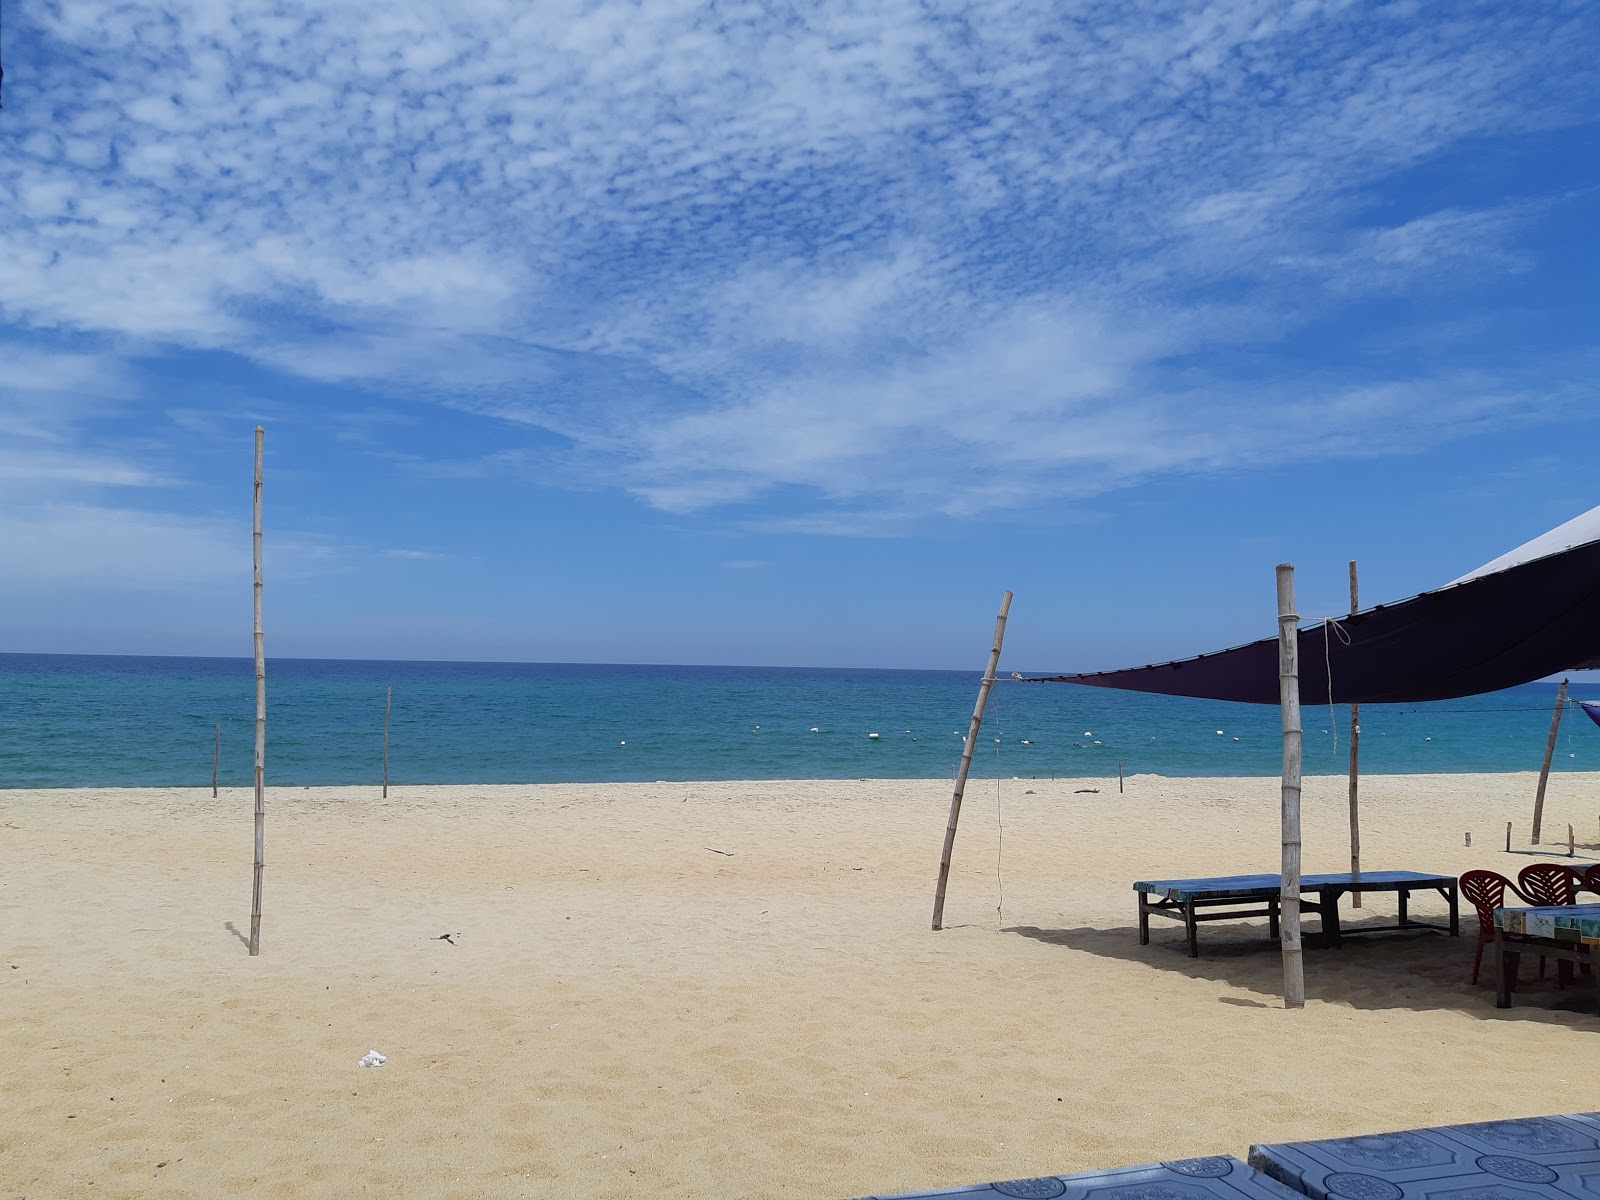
(999,822)
(1327,666)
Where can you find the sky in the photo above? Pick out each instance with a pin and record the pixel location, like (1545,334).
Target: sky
(783,334)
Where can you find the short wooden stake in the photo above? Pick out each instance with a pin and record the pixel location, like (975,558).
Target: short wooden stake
(1549,753)
(1508,837)
(1119,774)
(388,706)
(261,720)
(216,758)
(966,761)
(1572,845)
(1469,841)
(1294,980)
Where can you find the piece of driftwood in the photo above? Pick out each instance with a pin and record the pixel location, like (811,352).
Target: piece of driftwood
(1294,980)
(1549,753)
(966,761)
(261,717)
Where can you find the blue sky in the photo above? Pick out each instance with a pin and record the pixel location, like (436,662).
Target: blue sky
(790,334)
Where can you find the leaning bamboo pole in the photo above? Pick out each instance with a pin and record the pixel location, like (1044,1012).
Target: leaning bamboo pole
(966,761)
(1549,753)
(261,717)
(1355,762)
(1294,982)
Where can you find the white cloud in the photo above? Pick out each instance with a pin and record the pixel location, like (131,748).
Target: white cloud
(113,549)
(907,261)
(415,555)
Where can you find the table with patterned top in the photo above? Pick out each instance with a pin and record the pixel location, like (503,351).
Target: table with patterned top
(1566,932)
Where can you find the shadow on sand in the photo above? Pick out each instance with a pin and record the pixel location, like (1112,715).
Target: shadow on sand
(1424,970)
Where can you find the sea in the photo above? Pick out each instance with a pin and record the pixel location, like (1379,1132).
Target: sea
(71,720)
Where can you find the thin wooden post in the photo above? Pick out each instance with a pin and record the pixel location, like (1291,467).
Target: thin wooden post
(1549,753)
(1572,844)
(1294,981)
(966,761)
(1508,837)
(1119,775)
(1355,761)
(216,759)
(388,707)
(261,719)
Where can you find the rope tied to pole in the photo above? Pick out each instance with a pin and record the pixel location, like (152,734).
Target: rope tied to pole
(1327,664)
(999,821)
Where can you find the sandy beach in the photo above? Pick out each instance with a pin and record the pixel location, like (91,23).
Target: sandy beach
(728,989)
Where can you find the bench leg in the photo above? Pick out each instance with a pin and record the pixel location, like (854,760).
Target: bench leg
(1192,927)
(1405,897)
(1144,919)
(1272,918)
(1328,910)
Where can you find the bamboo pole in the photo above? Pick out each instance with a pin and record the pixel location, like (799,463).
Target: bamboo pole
(1549,753)
(216,759)
(1355,760)
(261,718)
(1294,982)
(388,707)
(966,761)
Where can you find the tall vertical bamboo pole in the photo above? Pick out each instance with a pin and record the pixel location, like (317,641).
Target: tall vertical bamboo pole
(1294,981)
(1549,753)
(261,718)
(1355,760)
(966,761)
(216,760)
(388,707)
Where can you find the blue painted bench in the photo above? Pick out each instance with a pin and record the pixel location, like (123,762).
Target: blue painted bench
(1536,1158)
(1236,897)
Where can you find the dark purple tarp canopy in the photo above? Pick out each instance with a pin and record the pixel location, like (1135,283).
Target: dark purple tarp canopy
(1488,632)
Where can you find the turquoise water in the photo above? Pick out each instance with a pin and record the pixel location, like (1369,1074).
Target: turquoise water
(101,721)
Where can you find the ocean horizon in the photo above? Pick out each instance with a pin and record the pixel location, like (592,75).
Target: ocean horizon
(69,720)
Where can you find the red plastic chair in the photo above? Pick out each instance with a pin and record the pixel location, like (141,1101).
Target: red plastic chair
(1589,881)
(1550,883)
(1485,891)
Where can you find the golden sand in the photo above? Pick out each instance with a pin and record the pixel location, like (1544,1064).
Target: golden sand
(725,989)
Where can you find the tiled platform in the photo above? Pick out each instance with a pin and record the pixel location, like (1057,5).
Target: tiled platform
(1537,1158)
(1218,1178)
